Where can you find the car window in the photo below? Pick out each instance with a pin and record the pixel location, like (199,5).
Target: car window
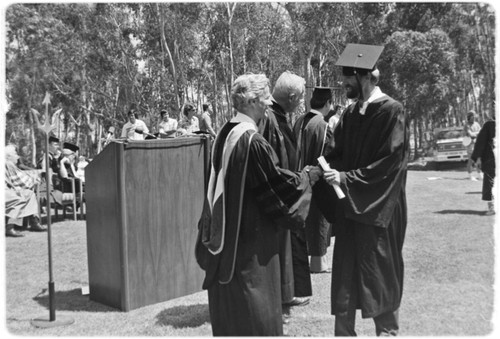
(449,134)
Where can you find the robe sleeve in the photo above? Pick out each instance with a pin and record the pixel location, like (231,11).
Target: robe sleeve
(281,194)
(481,143)
(373,190)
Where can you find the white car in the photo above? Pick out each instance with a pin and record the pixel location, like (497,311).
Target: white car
(449,144)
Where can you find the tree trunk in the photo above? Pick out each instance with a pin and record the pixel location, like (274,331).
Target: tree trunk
(230,13)
(165,47)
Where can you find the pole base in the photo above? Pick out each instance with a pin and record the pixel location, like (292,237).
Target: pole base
(44,322)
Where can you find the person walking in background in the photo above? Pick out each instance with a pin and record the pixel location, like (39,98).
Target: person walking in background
(206,121)
(287,97)
(167,124)
(312,133)
(369,161)
(134,128)
(484,157)
(20,197)
(471,130)
(249,199)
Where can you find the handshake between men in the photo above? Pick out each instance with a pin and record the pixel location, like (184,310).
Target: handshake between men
(331,176)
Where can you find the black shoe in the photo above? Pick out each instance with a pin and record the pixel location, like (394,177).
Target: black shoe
(37,228)
(13,233)
(298,302)
(286,319)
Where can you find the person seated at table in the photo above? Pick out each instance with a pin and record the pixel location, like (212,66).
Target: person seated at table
(189,122)
(167,124)
(20,197)
(134,128)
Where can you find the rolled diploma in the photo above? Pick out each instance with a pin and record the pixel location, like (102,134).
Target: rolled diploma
(326,167)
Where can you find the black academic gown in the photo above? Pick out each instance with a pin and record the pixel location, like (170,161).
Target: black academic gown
(295,274)
(371,152)
(484,149)
(243,280)
(311,132)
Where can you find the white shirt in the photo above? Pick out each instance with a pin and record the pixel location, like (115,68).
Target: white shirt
(376,94)
(165,126)
(333,121)
(128,130)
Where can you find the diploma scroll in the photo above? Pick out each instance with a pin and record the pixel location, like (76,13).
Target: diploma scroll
(324,165)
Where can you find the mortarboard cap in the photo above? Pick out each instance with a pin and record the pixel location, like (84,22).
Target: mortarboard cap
(320,96)
(70,147)
(53,139)
(361,57)
(322,93)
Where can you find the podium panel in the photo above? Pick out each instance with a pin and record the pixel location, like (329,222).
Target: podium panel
(144,199)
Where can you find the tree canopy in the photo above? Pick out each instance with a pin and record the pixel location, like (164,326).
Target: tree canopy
(98,61)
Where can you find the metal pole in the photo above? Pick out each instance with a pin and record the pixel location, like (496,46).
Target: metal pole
(49,231)
(44,322)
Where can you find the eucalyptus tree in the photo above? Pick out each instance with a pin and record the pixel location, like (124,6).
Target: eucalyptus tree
(471,27)
(421,66)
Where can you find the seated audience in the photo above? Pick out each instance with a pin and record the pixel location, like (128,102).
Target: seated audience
(167,124)
(20,197)
(67,169)
(134,128)
(80,168)
(189,122)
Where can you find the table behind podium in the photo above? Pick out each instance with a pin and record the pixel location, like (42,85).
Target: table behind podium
(144,199)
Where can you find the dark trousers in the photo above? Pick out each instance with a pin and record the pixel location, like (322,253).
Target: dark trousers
(488,180)
(386,324)
(300,259)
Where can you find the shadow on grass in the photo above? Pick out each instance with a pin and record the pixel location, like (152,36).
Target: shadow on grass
(184,316)
(472,192)
(467,212)
(72,300)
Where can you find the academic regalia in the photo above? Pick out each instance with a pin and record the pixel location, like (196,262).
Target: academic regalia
(20,198)
(311,131)
(372,150)
(247,203)
(484,149)
(295,274)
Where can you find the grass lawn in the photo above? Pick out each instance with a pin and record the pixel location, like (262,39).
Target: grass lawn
(449,277)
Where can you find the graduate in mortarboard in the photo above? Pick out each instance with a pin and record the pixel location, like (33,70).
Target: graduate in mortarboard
(369,160)
(312,133)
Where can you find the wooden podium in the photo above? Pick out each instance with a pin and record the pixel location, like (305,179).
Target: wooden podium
(144,199)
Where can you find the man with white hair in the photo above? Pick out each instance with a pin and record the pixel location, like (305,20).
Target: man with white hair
(249,199)
(20,199)
(287,97)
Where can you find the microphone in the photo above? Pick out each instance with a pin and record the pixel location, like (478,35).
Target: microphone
(111,132)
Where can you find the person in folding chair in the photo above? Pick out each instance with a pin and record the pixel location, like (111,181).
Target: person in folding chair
(67,170)
(20,197)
